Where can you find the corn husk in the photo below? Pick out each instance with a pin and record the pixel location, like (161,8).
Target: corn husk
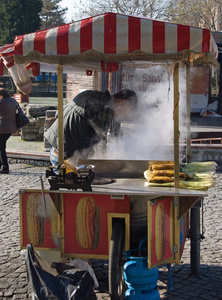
(197,185)
(199,167)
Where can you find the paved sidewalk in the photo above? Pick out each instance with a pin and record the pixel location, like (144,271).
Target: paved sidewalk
(13,281)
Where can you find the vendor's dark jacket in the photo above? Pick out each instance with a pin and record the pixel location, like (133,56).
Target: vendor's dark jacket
(86,121)
(8,115)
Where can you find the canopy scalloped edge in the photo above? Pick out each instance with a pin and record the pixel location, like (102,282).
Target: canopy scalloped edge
(186,55)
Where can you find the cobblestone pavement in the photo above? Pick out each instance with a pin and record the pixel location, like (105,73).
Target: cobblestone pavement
(13,281)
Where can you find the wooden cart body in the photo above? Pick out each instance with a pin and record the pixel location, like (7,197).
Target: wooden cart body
(127,198)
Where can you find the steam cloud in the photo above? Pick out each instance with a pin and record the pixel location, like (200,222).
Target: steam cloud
(149,134)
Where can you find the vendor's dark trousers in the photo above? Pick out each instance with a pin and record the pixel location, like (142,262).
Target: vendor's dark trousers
(3,155)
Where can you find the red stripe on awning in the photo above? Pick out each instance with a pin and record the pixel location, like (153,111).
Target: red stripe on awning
(63,40)
(1,67)
(206,40)
(110,33)
(7,50)
(10,64)
(39,41)
(183,37)
(19,45)
(158,37)
(7,54)
(35,68)
(134,34)
(86,35)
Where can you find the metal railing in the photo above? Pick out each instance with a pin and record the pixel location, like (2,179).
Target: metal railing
(207,141)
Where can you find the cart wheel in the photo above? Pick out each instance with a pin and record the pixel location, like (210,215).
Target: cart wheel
(117,284)
(195,240)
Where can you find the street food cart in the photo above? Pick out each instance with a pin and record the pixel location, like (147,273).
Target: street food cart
(125,210)
(109,219)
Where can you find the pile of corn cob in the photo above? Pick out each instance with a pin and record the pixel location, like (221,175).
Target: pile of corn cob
(200,176)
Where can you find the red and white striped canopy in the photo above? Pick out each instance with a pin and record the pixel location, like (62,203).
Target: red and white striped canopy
(114,38)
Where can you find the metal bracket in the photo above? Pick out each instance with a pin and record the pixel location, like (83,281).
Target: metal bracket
(22,191)
(175,249)
(202,215)
(152,202)
(175,202)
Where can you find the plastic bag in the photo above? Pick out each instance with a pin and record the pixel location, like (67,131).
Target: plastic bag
(83,264)
(21,119)
(71,284)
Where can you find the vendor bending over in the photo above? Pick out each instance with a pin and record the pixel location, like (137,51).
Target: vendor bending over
(87,120)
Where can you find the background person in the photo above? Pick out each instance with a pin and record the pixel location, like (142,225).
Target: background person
(87,119)
(8,107)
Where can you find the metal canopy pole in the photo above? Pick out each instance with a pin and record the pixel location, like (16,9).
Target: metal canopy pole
(60,114)
(176,125)
(176,159)
(188,146)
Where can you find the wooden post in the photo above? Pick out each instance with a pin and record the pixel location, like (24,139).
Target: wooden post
(188,146)
(60,113)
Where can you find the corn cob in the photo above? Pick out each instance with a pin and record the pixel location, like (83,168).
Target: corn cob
(160,162)
(87,223)
(162,167)
(35,222)
(163,176)
(196,175)
(160,231)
